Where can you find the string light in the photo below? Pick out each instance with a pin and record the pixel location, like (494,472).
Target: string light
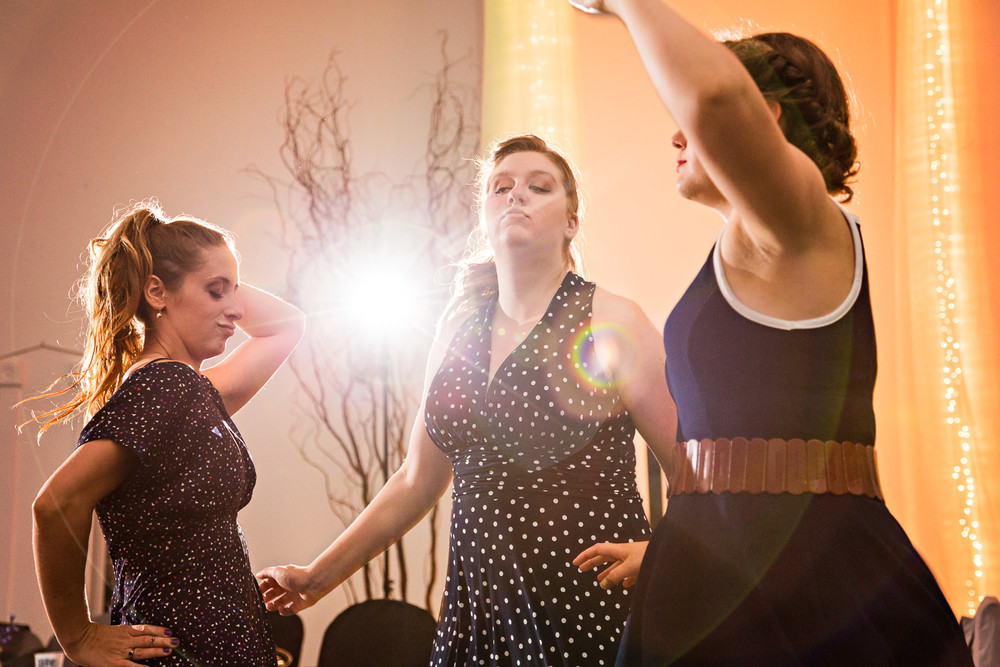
(941,136)
(528,70)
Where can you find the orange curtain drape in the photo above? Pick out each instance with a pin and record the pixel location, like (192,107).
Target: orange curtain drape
(949,302)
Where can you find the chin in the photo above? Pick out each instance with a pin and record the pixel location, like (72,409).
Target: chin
(212,353)
(684,191)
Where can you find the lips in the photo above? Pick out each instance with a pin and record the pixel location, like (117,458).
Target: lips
(515,212)
(230,330)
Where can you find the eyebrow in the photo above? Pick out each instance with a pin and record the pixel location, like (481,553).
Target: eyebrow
(534,172)
(222,279)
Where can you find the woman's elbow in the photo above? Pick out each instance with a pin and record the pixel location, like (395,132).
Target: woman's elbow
(52,508)
(46,508)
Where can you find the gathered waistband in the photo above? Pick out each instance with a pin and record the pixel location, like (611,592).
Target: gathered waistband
(774,466)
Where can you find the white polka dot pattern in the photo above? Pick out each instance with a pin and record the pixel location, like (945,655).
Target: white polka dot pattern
(544,467)
(179,556)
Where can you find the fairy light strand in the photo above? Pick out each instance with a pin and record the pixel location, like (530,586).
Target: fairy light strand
(529,79)
(941,138)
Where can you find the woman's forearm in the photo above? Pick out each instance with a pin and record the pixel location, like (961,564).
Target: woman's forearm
(61,534)
(400,504)
(690,70)
(266,315)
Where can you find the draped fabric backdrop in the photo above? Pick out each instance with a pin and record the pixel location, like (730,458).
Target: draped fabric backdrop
(948,306)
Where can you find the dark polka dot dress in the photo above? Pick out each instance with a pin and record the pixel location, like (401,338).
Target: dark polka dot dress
(179,556)
(544,467)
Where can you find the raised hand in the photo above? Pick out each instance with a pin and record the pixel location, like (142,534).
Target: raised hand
(625,559)
(589,6)
(597,6)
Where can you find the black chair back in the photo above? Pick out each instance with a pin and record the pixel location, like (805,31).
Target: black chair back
(287,632)
(379,633)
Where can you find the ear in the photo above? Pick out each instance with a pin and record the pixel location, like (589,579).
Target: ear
(572,226)
(155,293)
(775,108)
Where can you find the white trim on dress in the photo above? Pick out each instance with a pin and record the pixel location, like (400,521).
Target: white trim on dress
(789,325)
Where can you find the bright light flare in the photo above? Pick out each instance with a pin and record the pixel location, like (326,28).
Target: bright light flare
(380,302)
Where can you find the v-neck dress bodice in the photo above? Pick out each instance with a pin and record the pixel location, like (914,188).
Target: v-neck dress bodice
(544,463)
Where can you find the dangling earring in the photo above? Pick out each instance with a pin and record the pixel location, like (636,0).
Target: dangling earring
(159,314)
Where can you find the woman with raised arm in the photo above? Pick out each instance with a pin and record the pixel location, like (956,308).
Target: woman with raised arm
(160,458)
(776,547)
(536,383)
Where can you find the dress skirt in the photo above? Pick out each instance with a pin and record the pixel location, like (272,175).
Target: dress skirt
(785,580)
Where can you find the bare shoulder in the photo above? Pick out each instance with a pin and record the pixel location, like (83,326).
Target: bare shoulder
(614,309)
(446,330)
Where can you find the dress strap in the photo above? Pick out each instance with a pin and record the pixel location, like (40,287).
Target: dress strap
(774,466)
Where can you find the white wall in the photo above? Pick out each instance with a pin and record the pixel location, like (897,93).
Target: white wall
(103,103)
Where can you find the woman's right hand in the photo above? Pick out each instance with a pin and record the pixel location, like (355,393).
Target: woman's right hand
(100,645)
(287,589)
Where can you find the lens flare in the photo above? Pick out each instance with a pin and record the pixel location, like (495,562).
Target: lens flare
(593,368)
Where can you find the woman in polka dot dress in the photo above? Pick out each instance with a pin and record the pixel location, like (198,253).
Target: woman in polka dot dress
(537,382)
(161,460)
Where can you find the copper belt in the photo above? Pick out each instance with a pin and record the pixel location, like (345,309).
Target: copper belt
(774,466)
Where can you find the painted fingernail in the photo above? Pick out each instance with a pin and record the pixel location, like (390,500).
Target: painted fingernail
(167,650)
(175,642)
(168,632)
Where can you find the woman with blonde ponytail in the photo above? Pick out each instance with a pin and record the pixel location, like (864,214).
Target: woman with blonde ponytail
(537,383)
(160,459)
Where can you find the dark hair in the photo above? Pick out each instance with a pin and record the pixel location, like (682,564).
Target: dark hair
(815,110)
(476,279)
(138,243)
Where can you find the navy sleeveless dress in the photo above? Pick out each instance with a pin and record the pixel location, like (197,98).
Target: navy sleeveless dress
(544,466)
(179,556)
(782,579)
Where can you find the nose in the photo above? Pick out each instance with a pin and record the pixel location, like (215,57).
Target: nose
(516,194)
(235,309)
(678,141)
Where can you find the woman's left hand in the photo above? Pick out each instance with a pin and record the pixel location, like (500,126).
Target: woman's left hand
(625,559)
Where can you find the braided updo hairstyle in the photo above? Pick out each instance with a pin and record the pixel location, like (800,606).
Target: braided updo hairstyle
(815,111)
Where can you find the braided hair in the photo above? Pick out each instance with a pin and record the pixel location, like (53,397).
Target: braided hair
(815,111)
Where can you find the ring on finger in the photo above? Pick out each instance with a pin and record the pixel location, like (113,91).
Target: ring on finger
(131,652)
